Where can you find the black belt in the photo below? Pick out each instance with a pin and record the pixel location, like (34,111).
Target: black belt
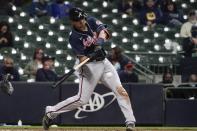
(98,59)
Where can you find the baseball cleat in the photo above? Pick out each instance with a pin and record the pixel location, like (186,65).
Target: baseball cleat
(46,122)
(130,127)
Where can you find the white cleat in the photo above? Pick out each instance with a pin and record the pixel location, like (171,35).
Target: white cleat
(130,127)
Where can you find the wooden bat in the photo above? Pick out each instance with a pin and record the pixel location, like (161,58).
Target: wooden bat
(65,76)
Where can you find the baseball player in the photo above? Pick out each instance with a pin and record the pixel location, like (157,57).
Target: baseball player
(86,38)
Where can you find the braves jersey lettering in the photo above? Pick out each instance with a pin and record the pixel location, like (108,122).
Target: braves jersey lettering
(88,41)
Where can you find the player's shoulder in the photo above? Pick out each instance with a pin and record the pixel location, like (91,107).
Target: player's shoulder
(92,20)
(74,36)
(73,33)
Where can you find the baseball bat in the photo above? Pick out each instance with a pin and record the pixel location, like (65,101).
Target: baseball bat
(65,76)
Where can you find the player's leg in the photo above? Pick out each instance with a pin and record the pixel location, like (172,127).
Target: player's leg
(111,79)
(87,84)
(89,79)
(84,93)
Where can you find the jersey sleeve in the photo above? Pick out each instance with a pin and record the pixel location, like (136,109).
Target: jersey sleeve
(76,45)
(96,25)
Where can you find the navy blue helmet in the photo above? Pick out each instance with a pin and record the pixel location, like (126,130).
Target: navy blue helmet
(76,14)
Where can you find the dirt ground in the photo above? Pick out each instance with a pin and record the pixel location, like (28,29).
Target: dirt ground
(66,130)
(96,129)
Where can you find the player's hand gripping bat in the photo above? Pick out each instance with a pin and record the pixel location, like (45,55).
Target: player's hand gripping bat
(65,76)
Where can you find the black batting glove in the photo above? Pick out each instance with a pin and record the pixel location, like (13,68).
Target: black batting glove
(97,54)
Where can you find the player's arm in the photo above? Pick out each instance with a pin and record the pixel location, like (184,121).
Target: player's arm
(102,36)
(101,30)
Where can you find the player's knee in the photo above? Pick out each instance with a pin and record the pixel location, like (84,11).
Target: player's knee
(83,102)
(122,92)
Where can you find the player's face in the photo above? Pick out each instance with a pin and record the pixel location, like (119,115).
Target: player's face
(79,25)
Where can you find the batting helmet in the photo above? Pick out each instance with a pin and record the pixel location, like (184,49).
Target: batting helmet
(76,14)
(194,31)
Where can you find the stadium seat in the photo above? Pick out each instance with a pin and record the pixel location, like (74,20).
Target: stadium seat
(126,32)
(21,32)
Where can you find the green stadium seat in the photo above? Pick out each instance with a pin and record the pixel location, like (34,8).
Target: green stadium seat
(31,38)
(21,32)
(115,22)
(19,44)
(13,26)
(43,33)
(65,21)
(44,20)
(24,20)
(33,27)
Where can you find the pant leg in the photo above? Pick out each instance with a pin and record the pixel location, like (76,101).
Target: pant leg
(88,81)
(111,79)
